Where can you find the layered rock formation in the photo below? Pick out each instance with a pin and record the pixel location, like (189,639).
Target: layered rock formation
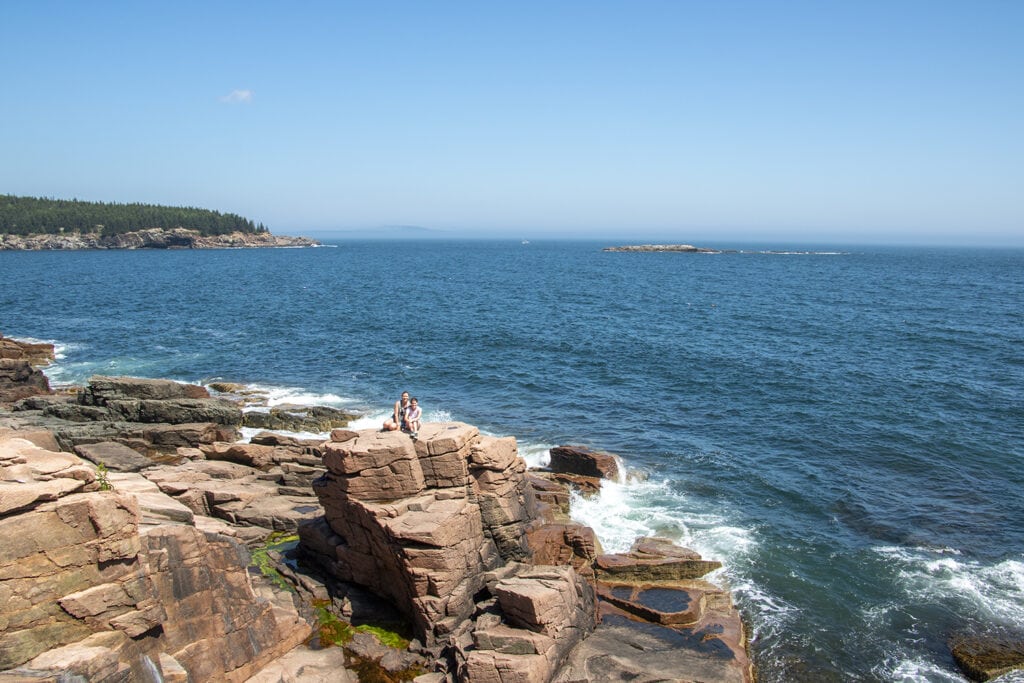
(499,583)
(152,238)
(20,376)
(125,560)
(109,585)
(147,415)
(439,526)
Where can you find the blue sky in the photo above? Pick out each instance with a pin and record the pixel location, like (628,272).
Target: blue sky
(895,121)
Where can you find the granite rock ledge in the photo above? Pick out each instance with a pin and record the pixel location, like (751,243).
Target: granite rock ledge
(142,566)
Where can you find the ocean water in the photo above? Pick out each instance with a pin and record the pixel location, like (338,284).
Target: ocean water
(844,430)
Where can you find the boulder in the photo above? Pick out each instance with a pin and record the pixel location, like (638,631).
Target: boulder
(169,437)
(983,658)
(420,522)
(102,389)
(585,486)
(19,379)
(30,475)
(374,466)
(544,613)
(297,418)
(62,408)
(654,559)
(551,497)
(505,498)
(622,648)
(175,411)
(42,438)
(304,446)
(564,543)
(546,600)
(584,461)
(114,456)
(262,456)
(36,353)
(234,493)
(250,455)
(155,507)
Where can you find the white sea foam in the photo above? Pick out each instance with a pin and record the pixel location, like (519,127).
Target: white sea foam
(535,455)
(249,432)
(993,591)
(615,514)
(437,416)
(622,512)
(296,396)
(918,670)
(371,421)
(57,373)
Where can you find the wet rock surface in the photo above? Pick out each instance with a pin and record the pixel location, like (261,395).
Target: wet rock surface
(20,376)
(983,658)
(584,462)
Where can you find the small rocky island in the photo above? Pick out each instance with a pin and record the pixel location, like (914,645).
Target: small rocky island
(681,248)
(143,540)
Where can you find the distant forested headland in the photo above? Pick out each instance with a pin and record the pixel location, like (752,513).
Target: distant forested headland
(42,216)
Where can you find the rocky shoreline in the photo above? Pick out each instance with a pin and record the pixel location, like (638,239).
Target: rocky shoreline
(135,528)
(152,238)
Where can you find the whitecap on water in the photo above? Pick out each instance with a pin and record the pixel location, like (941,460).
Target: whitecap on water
(916,671)
(622,512)
(993,591)
(296,396)
(372,421)
(437,416)
(535,455)
(249,432)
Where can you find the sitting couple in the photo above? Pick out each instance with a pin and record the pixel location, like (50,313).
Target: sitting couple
(406,416)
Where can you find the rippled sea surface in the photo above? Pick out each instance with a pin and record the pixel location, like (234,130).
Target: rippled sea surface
(845,431)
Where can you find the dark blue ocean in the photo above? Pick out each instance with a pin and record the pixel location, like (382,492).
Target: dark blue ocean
(845,431)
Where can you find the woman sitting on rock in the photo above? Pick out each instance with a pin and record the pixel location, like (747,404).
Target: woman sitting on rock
(397,420)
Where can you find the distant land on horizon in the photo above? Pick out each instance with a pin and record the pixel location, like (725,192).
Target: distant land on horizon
(26,216)
(384,232)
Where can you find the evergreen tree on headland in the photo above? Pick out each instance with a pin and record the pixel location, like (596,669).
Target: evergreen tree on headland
(40,215)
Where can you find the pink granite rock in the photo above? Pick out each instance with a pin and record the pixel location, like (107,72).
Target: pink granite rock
(375,466)
(544,613)
(584,461)
(421,521)
(654,559)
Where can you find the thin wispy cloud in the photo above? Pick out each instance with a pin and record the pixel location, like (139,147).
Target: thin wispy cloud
(238,97)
